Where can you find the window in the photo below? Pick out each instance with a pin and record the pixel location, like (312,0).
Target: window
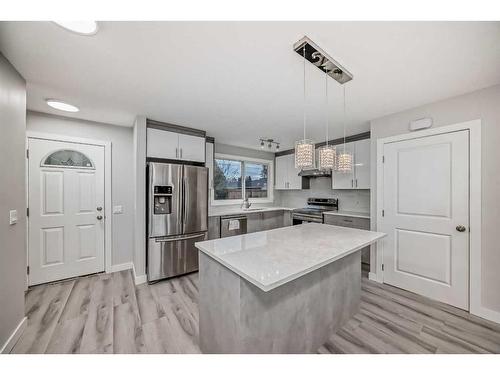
(68,159)
(237,177)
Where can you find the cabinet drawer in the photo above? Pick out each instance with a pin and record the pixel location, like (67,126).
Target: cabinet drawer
(347,221)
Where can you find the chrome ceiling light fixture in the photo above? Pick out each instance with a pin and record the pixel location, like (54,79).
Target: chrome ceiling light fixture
(327,154)
(344,159)
(304,149)
(270,142)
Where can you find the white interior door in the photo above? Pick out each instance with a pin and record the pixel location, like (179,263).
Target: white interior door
(426,216)
(66,204)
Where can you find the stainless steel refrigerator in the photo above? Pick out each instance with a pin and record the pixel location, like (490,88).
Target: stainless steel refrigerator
(177,218)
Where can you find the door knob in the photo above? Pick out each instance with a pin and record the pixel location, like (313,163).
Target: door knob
(99,208)
(460,228)
(99,217)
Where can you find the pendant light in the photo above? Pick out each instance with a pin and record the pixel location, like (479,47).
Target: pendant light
(344,159)
(304,149)
(327,154)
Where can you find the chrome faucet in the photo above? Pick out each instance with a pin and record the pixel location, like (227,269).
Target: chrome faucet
(246,204)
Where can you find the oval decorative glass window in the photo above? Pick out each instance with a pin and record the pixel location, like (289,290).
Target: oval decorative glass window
(68,159)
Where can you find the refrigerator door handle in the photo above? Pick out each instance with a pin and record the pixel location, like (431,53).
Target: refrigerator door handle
(161,239)
(183,201)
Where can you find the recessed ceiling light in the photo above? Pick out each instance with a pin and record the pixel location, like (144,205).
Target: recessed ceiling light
(79,27)
(57,104)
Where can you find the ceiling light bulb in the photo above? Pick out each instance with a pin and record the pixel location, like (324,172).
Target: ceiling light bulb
(79,27)
(261,144)
(269,145)
(277,146)
(62,106)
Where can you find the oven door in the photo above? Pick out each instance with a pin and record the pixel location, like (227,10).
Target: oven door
(304,218)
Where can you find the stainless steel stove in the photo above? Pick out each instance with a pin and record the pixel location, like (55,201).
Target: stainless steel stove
(313,213)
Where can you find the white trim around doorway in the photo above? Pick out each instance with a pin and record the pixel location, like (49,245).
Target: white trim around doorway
(108,224)
(475,287)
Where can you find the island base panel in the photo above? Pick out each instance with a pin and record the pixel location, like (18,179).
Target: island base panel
(297,317)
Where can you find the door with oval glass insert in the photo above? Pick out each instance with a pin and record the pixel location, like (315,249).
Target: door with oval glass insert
(66,203)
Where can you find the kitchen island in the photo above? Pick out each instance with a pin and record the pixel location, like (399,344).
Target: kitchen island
(284,290)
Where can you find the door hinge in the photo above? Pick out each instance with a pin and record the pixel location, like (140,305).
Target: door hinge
(382,267)
(27,153)
(28,270)
(27,211)
(383,213)
(383,159)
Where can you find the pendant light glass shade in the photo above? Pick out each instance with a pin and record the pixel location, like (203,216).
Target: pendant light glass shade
(344,158)
(304,149)
(327,157)
(344,162)
(304,154)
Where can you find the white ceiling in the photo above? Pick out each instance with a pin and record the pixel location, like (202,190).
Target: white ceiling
(241,80)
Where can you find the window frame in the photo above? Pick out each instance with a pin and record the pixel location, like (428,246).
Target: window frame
(244,159)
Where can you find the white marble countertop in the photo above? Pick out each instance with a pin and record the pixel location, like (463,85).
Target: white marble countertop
(232,210)
(363,215)
(272,258)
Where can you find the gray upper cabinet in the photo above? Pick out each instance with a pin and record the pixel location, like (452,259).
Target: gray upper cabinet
(176,146)
(359,177)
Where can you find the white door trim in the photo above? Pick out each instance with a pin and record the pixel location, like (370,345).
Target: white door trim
(474,128)
(108,225)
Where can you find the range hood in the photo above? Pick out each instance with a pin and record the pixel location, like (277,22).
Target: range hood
(314,173)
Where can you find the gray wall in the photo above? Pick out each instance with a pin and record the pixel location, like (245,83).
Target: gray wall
(485,105)
(122,179)
(12,197)
(139,156)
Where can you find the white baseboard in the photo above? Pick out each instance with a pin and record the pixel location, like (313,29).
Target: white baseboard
(488,314)
(122,267)
(12,340)
(138,279)
(141,279)
(374,277)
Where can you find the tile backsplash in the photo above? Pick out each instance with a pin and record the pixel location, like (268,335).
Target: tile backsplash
(349,200)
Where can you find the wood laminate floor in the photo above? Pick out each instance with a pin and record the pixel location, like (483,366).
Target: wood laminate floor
(107,313)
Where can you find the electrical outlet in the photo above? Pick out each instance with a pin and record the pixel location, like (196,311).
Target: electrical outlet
(117,209)
(12,217)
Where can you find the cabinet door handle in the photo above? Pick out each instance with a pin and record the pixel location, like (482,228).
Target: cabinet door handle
(356,182)
(176,152)
(352,183)
(181,153)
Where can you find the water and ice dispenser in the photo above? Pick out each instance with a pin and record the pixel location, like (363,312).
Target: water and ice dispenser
(162,200)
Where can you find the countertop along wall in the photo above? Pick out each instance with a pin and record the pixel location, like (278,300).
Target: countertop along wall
(122,179)
(12,197)
(485,105)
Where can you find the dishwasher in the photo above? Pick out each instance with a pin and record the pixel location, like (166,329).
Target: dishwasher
(233,225)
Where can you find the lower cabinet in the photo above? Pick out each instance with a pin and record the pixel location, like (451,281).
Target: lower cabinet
(259,221)
(351,222)
(256,222)
(213,227)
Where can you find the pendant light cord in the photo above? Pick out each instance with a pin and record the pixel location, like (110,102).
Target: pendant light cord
(344,116)
(326,106)
(304,56)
